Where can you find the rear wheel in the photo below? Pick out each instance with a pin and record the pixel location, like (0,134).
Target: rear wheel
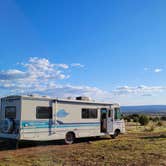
(17,143)
(70,138)
(116,133)
(7,126)
(14,144)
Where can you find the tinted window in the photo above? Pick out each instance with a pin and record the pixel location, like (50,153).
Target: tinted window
(110,113)
(89,113)
(44,113)
(118,113)
(10,112)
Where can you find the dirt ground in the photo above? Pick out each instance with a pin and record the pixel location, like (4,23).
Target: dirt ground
(136,147)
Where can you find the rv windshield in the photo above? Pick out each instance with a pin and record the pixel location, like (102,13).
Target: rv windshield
(118,114)
(10,112)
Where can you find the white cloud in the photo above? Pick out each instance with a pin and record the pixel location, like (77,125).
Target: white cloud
(64,91)
(139,90)
(146,69)
(40,76)
(158,70)
(12,74)
(147,95)
(77,65)
(35,74)
(64,66)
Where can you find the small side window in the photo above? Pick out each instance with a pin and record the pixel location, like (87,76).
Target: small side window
(89,113)
(84,113)
(44,113)
(10,112)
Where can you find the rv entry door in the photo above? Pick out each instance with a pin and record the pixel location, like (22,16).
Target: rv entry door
(110,120)
(103,120)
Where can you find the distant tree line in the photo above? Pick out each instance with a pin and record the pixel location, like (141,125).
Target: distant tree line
(143,119)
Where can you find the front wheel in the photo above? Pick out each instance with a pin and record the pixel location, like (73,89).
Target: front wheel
(70,138)
(116,133)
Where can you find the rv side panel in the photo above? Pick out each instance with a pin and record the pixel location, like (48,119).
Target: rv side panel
(69,117)
(33,128)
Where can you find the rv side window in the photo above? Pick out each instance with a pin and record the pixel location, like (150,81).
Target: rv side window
(89,113)
(10,112)
(44,113)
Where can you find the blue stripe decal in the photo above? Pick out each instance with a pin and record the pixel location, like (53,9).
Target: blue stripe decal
(50,124)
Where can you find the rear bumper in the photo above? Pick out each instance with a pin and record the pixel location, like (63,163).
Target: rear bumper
(10,136)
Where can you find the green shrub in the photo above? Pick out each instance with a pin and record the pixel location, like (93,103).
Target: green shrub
(163,118)
(150,129)
(135,119)
(127,118)
(159,124)
(143,120)
(156,119)
(134,115)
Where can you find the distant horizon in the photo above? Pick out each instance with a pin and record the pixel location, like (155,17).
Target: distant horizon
(38,95)
(144,109)
(142,105)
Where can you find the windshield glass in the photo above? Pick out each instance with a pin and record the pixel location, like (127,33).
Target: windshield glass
(118,114)
(10,112)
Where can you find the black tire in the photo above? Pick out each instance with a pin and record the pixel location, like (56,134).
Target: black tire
(116,133)
(14,144)
(17,144)
(70,138)
(97,137)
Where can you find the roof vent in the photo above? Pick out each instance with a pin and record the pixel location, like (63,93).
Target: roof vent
(83,98)
(46,96)
(69,98)
(34,95)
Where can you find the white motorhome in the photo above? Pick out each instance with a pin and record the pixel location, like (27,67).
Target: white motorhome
(41,118)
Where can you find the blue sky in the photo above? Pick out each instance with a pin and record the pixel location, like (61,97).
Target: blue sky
(111,50)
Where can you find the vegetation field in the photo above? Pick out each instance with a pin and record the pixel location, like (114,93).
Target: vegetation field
(140,146)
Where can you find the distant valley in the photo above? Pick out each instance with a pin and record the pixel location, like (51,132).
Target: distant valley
(147,109)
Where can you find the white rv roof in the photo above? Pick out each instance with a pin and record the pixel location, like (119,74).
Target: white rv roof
(82,101)
(33,97)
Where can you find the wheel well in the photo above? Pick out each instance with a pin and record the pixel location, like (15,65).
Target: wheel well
(71,133)
(117,130)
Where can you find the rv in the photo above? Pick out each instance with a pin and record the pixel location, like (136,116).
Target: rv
(37,118)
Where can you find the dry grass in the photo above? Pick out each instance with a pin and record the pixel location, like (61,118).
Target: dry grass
(137,147)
